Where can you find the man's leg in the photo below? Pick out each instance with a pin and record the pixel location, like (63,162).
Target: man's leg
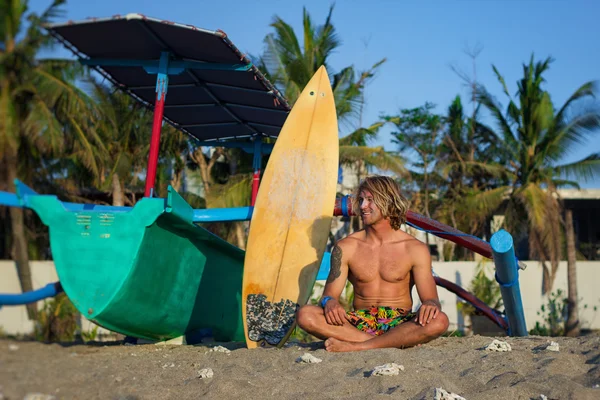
(312,320)
(405,335)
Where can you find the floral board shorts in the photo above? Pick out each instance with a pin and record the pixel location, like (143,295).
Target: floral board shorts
(378,320)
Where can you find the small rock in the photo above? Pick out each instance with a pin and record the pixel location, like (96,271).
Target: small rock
(38,396)
(168,365)
(387,369)
(542,397)
(553,346)
(308,358)
(205,373)
(118,379)
(441,394)
(13,347)
(498,345)
(596,386)
(129,344)
(220,349)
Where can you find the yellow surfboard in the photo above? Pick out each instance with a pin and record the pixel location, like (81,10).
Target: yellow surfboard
(292,216)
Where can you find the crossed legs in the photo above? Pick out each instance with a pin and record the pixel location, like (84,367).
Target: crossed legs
(347,338)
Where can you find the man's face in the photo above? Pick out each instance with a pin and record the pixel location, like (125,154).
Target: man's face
(368,210)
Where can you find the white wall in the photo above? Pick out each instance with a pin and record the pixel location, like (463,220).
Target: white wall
(530,282)
(13,319)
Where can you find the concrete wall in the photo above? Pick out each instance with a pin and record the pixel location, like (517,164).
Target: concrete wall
(530,281)
(14,320)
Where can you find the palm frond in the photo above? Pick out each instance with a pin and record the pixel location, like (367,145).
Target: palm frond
(586,168)
(86,154)
(361,136)
(561,139)
(485,98)
(485,202)
(560,183)
(588,89)
(473,167)
(41,118)
(502,81)
(235,193)
(373,156)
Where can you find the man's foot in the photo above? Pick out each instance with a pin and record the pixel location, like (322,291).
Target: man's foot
(335,345)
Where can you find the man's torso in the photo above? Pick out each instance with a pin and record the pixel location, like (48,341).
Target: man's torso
(381,274)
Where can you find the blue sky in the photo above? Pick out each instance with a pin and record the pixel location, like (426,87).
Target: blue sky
(420,40)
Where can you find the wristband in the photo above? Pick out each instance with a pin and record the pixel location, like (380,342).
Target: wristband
(325,300)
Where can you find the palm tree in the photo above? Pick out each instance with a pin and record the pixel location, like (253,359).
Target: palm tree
(470,164)
(125,128)
(290,65)
(39,109)
(534,137)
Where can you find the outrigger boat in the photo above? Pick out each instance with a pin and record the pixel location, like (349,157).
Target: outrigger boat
(150,271)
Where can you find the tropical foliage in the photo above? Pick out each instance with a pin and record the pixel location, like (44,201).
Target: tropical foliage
(43,115)
(290,64)
(533,137)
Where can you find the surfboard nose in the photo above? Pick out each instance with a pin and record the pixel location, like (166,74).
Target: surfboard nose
(319,85)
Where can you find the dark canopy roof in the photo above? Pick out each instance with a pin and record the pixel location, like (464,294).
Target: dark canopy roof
(208,104)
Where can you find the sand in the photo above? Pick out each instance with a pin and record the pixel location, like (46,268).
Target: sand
(148,371)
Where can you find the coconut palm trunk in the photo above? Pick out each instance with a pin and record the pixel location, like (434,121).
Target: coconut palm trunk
(117,190)
(572,327)
(19,245)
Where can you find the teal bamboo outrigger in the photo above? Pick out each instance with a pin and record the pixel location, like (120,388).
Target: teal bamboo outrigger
(149,271)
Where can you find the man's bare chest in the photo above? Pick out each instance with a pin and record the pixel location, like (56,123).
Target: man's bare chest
(385,264)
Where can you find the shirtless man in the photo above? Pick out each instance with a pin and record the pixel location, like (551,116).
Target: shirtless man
(382,263)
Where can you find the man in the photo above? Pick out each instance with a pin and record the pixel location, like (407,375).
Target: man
(382,263)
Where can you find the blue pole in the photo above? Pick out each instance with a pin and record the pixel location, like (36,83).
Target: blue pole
(50,290)
(507,276)
(223,214)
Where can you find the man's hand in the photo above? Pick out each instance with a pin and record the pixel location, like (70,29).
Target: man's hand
(334,313)
(428,311)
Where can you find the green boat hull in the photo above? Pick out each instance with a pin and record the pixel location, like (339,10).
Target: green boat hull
(149,272)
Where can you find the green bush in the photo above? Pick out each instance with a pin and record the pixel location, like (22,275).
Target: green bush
(57,320)
(485,289)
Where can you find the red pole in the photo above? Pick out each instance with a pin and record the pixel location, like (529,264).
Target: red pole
(442,230)
(255,184)
(162,82)
(470,297)
(154,144)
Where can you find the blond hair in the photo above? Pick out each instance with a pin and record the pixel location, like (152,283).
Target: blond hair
(386,196)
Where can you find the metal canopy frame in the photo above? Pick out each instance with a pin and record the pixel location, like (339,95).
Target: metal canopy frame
(229,97)
(216,91)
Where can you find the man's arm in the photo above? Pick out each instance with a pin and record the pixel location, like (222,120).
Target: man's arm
(426,287)
(336,281)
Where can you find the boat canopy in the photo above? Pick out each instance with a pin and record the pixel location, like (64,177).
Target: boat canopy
(215,93)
